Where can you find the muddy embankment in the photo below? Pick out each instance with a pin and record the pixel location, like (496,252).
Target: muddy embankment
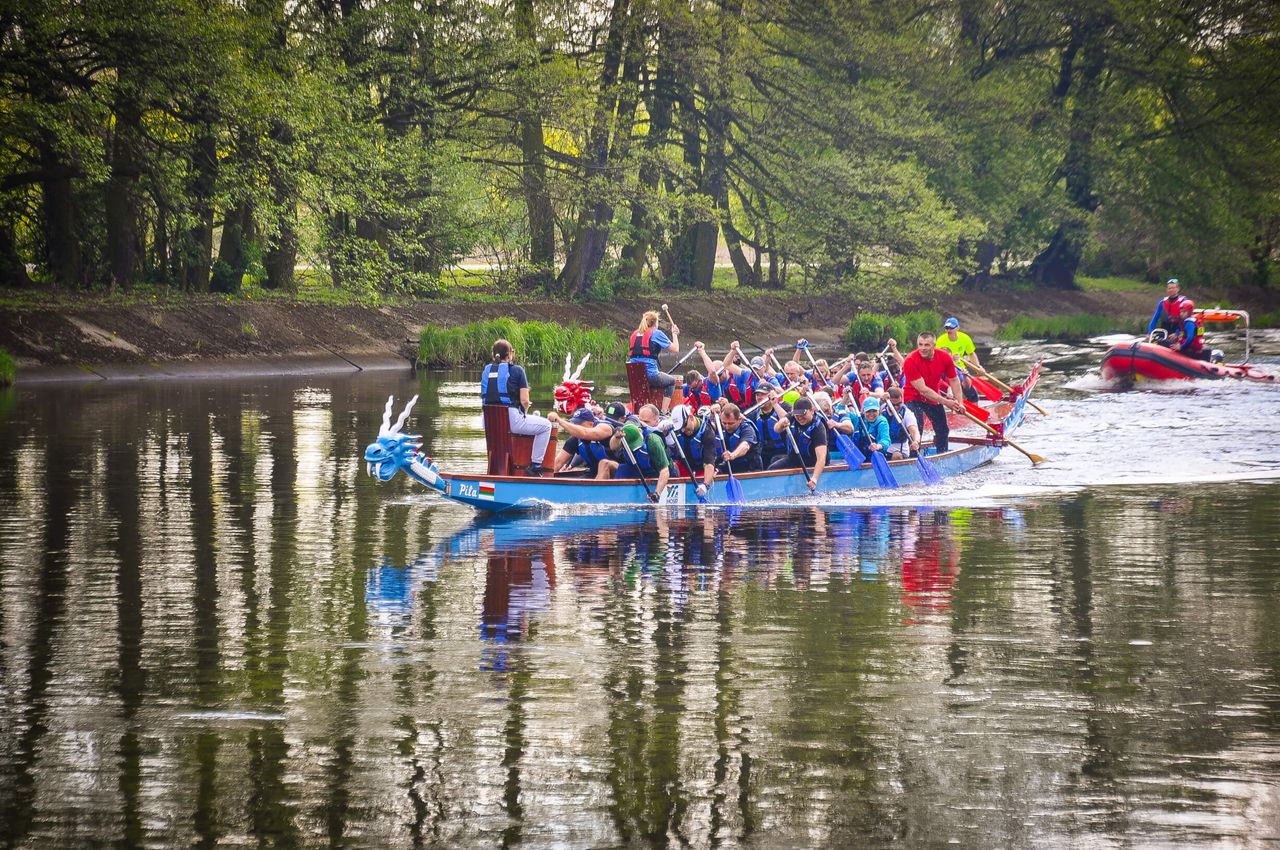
(210,339)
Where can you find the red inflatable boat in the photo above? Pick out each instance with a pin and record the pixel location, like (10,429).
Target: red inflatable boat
(1143,359)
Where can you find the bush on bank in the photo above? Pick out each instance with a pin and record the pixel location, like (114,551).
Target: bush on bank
(534,342)
(870,331)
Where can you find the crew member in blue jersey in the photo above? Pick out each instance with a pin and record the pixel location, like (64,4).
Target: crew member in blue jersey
(503,382)
(647,342)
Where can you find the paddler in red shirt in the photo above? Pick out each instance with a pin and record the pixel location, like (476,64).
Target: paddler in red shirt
(924,370)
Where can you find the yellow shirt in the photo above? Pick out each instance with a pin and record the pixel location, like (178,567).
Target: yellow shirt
(959,348)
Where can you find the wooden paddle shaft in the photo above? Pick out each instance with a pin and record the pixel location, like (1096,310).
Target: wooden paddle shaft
(1002,385)
(1035,459)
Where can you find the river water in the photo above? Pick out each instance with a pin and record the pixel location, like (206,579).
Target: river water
(216,630)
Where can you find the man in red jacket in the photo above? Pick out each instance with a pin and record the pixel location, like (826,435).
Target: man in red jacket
(926,370)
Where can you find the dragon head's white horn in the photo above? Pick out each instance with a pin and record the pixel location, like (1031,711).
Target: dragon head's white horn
(386,414)
(404,415)
(578,371)
(568,364)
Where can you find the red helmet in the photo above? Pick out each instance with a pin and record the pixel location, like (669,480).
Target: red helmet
(1188,306)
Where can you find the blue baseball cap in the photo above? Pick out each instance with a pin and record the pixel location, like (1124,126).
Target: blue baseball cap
(951,322)
(870,403)
(583,415)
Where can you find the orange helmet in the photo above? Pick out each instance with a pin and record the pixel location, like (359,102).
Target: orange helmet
(1188,307)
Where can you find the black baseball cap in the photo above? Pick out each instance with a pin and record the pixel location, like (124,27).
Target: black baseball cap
(616,411)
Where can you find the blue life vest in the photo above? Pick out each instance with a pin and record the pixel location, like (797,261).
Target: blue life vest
(897,433)
(771,441)
(592,452)
(641,454)
(496,391)
(804,437)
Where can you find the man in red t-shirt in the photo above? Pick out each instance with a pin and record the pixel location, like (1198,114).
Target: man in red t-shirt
(925,370)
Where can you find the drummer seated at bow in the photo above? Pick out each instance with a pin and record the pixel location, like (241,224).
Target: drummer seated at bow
(647,342)
(587,444)
(807,443)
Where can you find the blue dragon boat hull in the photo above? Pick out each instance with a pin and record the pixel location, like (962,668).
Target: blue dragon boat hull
(395,452)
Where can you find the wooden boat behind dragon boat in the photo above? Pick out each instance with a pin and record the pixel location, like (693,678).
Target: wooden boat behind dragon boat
(394,452)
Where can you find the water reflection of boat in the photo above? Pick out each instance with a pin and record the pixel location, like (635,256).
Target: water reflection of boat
(395,452)
(1141,359)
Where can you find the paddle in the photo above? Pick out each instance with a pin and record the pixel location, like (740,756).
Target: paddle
(653,497)
(976,410)
(986,390)
(884,475)
(795,447)
(823,374)
(689,467)
(929,474)
(1003,385)
(688,354)
(734,487)
(1035,458)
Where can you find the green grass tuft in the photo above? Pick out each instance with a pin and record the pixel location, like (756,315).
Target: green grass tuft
(870,331)
(1115,284)
(1073,327)
(534,342)
(1266,320)
(8,368)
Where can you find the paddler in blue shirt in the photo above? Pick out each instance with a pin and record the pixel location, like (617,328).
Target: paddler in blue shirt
(647,342)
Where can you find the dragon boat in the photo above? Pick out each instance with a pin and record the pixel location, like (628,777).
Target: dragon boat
(394,452)
(1147,359)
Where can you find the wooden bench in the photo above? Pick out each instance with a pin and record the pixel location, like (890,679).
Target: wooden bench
(508,452)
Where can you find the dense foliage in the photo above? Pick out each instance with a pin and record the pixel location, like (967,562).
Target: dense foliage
(583,146)
(533,342)
(870,331)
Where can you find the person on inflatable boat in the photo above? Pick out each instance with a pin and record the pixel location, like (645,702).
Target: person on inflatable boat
(1189,341)
(1168,314)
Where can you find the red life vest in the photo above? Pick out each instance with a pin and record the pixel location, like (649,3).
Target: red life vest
(640,343)
(697,398)
(1196,345)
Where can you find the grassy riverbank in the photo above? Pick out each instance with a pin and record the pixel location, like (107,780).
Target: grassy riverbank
(534,342)
(8,368)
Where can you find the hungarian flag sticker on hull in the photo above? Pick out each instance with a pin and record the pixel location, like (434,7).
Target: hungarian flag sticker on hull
(486,490)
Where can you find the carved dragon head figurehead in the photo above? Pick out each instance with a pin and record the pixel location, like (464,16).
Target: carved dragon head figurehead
(572,392)
(392,451)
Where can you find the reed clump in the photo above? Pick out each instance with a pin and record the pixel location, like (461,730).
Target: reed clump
(1073,327)
(869,331)
(534,342)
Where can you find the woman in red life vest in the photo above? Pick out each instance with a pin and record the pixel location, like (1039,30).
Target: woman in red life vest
(647,342)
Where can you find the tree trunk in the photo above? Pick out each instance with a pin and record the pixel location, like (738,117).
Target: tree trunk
(13,271)
(542,233)
(199,254)
(1056,265)
(237,227)
(123,245)
(578,275)
(63,255)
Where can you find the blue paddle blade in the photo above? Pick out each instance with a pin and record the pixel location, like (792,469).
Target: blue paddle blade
(851,454)
(929,474)
(735,491)
(884,475)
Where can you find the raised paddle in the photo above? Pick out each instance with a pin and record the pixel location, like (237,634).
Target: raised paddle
(1035,458)
(687,355)
(670,321)
(999,383)
(734,486)
(929,474)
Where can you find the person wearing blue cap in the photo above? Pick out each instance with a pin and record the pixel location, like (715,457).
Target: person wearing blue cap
(587,443)
(873,434)
(960,346)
